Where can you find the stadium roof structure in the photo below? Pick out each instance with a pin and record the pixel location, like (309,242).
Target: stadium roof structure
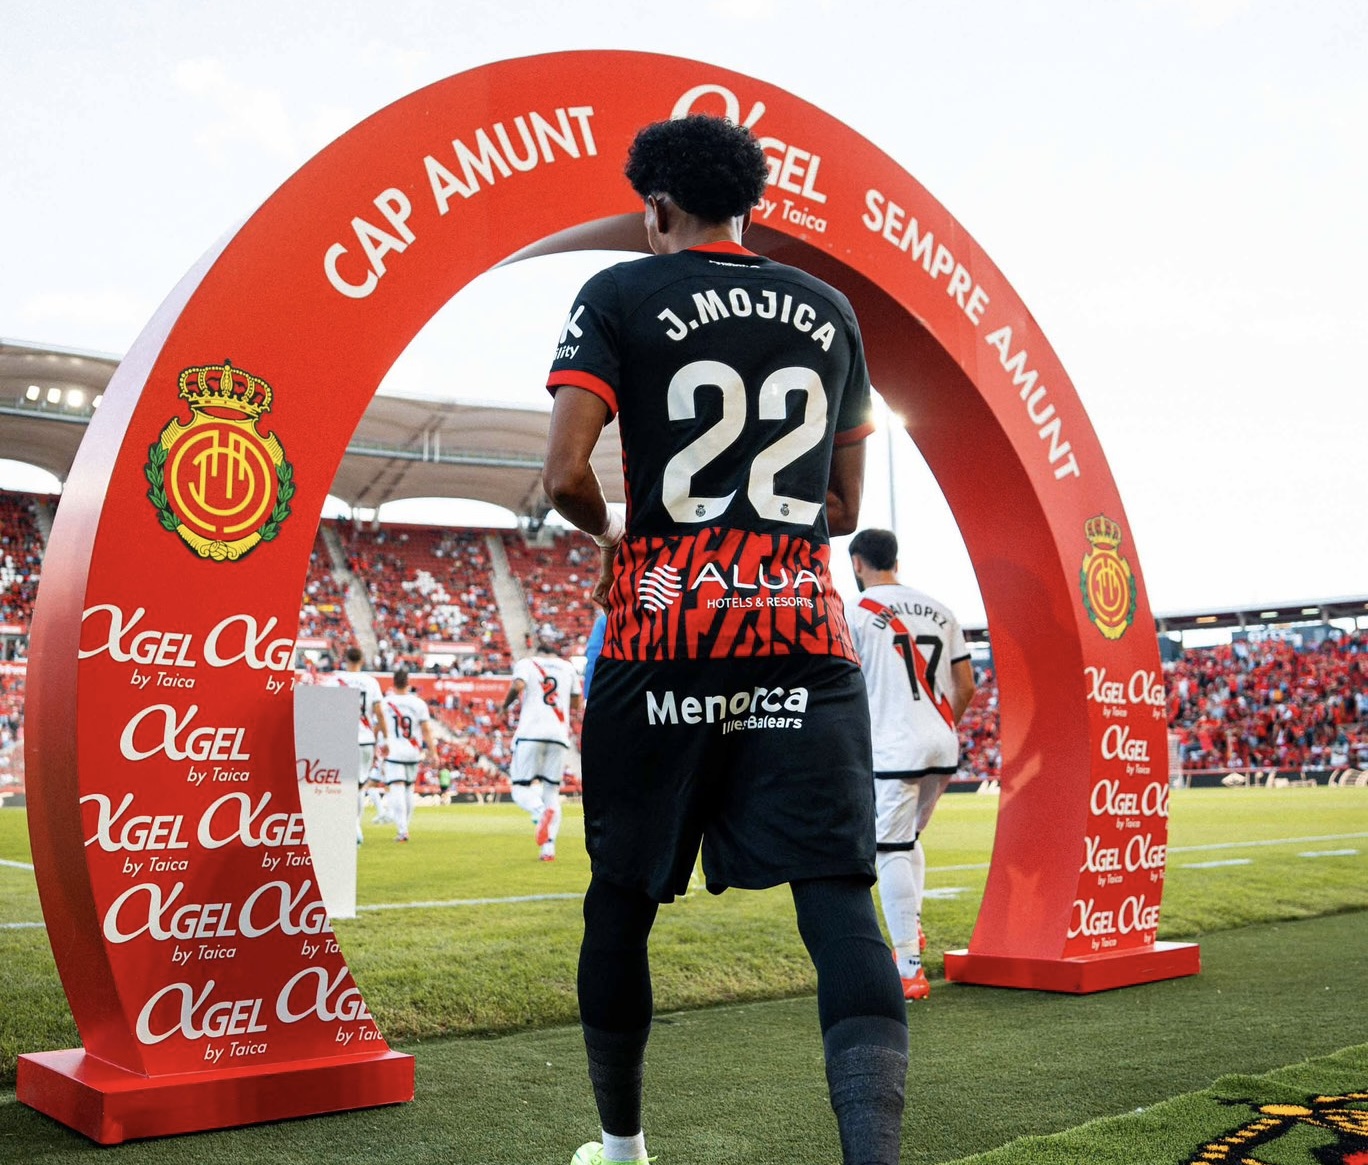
(1269,614)
(404,446)
(419,447)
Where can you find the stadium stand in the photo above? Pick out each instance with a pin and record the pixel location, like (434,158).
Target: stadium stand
(1246,706)
(11,704)
(323,606)
(980,755)
(473,741)
(21,563)
(1271,704)
(1279,702)
(429,584)
(555,582)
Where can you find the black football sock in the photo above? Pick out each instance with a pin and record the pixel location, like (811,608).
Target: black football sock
(866,1081)
(616,1067)
(615,1000)
(863,1016)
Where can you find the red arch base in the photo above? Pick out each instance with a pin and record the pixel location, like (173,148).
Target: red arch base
(179,897)
(111,1105)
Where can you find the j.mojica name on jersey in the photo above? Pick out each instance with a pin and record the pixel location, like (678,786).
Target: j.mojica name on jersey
(709,307)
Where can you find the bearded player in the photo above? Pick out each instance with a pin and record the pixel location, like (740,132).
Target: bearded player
(920,681)
(727,706)
(547,688)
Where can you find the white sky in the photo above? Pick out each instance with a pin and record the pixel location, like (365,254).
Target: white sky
(1177,188)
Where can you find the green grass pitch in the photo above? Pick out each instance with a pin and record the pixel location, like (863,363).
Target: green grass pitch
(465,949)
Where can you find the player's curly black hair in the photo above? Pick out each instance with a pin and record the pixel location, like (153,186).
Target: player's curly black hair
(710,167)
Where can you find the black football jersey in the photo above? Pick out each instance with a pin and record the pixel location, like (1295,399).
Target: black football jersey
(732,378)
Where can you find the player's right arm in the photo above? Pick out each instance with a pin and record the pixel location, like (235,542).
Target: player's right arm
(577,419)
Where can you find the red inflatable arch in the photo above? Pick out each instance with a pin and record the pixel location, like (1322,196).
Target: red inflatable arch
(164,812)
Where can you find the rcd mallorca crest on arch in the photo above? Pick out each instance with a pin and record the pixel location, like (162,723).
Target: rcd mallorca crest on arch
(216,481)
(1106,579)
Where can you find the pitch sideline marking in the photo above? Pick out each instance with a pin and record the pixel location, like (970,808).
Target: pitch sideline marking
(1184,849)
(467,902)
(933,869)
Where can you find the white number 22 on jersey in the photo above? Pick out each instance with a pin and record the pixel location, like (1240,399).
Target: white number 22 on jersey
(677,485)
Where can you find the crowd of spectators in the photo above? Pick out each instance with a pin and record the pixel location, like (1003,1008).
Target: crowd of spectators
(1276,703)
(1271,704)
(980,751)
(429,583)
(11,707)
(476,746)
(556,581)
(21,563)
(323,606)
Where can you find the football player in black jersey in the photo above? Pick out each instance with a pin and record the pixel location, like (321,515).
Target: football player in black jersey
(728,709)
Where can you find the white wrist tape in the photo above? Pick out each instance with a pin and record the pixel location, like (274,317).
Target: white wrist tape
(613,532)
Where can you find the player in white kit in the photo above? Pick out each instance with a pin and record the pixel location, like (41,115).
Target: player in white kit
(370,725)
(549,689)
(920,680)
(409,732)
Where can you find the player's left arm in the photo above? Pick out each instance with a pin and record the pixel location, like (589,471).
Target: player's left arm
(515,691)
(577,419)
(378,719)
(961,686)
(845,486)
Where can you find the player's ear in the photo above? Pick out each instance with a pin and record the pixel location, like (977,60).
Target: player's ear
(661,210)
(745,222)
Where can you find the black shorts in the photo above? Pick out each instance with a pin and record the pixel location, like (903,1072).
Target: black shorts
(766,762)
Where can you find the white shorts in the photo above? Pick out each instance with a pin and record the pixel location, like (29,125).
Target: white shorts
(903,807)
(401,772)
(537,760)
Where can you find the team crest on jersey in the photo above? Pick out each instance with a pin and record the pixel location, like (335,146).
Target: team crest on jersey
(215,481)
(1108,586)
(1332,1114)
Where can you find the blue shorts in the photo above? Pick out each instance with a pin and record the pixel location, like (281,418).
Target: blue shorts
(764,762)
